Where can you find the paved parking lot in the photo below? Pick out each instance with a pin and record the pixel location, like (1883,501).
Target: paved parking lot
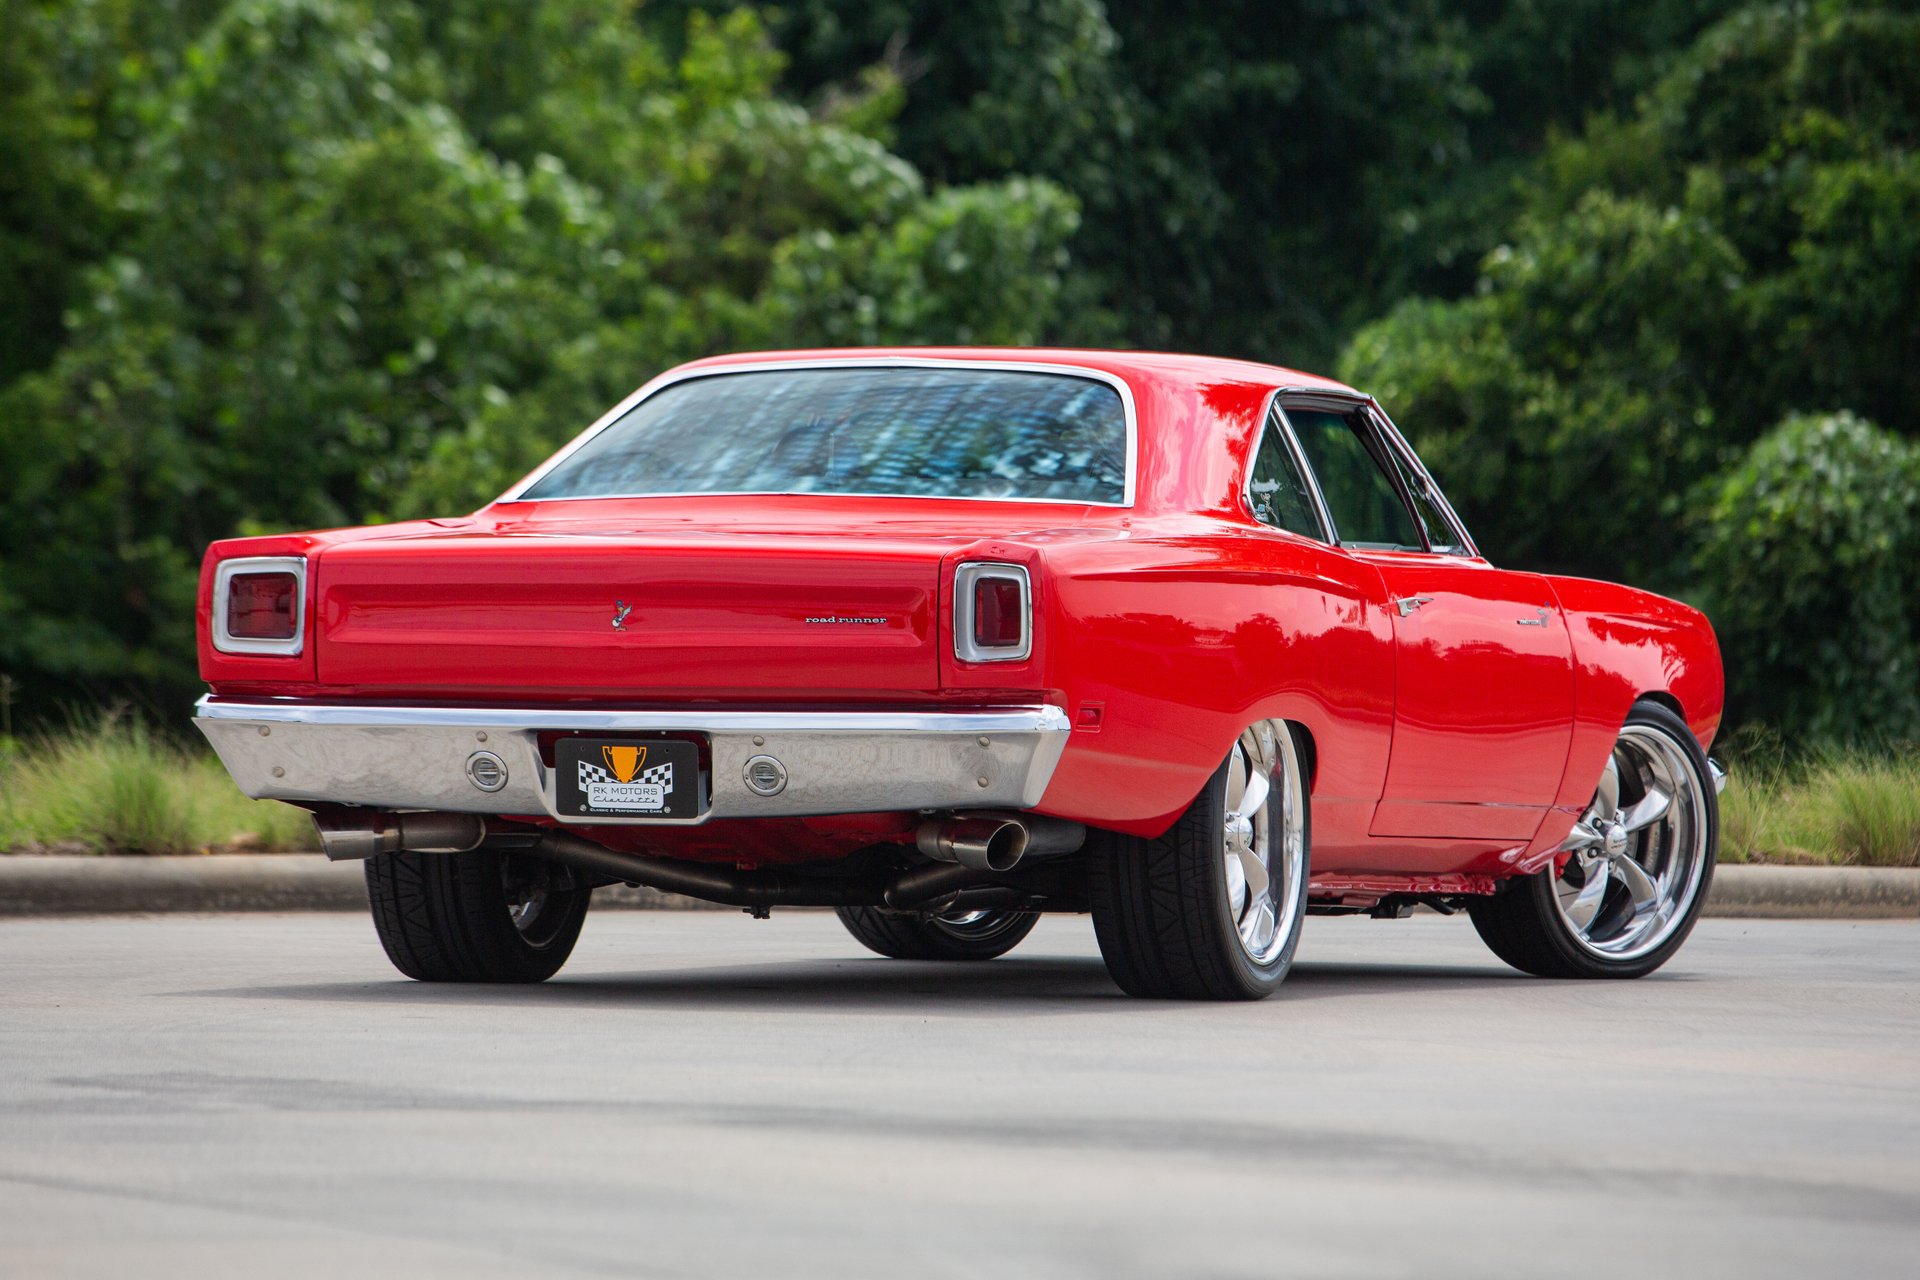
(703,1094)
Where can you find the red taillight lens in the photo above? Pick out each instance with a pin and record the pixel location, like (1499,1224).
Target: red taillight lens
(263,606)
(998,620)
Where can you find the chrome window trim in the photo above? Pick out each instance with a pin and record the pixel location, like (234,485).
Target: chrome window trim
(223,575)
(1398,442)
(673,377)
(964,580)
(1048,719)
(1276,413)
(1303,395)
(1348,402)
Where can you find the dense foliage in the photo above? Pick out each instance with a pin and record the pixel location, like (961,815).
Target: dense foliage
(1740,249)
(1638,277)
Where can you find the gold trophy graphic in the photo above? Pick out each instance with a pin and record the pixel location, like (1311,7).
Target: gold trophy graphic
(624,762)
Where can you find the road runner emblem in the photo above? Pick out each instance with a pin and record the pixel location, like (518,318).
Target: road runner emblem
(620,611)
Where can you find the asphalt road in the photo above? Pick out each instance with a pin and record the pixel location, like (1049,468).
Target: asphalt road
(700,1094)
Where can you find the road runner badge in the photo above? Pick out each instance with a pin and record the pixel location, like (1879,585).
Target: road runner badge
(624,784)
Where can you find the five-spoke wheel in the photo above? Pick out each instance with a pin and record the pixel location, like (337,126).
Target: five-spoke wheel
(1212,908)
(1629,881)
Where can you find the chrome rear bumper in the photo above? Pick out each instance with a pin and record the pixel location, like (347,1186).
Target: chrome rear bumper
(835,762)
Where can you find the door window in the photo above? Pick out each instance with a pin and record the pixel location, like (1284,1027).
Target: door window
(1361,497)
(1276,489)
(1426,507)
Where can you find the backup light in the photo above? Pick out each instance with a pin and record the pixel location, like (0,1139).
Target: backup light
(260,605)
(263,606)
(993,604)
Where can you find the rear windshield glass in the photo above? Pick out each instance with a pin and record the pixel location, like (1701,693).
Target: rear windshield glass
(958,433)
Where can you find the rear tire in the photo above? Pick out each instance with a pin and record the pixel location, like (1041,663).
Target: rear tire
(475,917)
(973,935)
(1645,879)
(1183,916)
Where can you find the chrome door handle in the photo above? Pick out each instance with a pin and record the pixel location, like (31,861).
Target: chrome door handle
(1540,621)
(1407,604)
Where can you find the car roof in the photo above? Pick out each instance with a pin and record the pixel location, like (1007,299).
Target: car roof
(1162,366)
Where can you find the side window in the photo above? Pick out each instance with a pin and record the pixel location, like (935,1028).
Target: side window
(1440,534)
(1361,498)
(1277,490)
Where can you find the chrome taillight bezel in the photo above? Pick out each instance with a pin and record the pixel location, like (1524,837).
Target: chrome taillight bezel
(965,579)
(223,575)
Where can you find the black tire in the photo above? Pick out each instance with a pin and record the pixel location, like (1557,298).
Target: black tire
(1524,925)
(1161,908)
(909,937)
(451,917)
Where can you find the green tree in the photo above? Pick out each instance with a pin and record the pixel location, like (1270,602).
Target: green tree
(377,260)
(1254,178)
(1812,546)
(1740,248)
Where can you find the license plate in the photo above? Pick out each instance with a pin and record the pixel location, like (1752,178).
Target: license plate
(622,778)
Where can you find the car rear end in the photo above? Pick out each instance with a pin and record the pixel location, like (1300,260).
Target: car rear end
(770,614)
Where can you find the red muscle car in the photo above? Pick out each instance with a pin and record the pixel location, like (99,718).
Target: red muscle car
(947,638)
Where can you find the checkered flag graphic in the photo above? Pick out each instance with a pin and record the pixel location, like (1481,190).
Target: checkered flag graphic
(660,774)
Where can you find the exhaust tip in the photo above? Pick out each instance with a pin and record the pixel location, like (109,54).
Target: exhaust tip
(352,836)
(1005,847)
(985,844)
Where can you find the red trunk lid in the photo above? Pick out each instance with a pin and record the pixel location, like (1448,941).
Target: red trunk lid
(520,610)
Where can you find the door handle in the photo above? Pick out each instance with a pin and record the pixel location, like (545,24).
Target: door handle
(1407,604)
(1540,621)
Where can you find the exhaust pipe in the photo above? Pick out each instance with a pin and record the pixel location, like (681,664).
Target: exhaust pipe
(750,889)
(916,888)
(983,844)
(351,834)
(997,841)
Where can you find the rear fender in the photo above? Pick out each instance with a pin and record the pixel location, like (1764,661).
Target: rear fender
(1628,645)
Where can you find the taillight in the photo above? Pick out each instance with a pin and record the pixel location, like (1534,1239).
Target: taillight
(259,604)
(993,607)
(263,606)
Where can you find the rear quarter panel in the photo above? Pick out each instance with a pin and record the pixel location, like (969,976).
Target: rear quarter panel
(1177,637)
(1627,645)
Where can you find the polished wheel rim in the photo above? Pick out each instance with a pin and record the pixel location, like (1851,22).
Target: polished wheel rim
(977,926)
(1635,859)
(534,903)
(1264,840)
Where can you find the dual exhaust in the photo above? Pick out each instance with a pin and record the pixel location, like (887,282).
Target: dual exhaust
(983,842)
(972,847)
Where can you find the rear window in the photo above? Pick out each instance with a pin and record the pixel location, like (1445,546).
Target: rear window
(952,433)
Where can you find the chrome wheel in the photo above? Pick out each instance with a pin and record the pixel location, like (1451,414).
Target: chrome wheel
(961,934)
(1635,860)
(981,926)
(1264,840)
(535,903)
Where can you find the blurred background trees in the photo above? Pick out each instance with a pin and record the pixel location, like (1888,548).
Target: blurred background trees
(1639,278)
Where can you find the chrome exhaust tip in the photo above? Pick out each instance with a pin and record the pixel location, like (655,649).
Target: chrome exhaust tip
(984,844)
(353,835)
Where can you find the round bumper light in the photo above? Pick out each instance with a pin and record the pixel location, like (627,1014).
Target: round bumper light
(765,776)
(486,771)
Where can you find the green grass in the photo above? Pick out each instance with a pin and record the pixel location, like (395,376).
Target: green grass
(1851,808)
(114,786)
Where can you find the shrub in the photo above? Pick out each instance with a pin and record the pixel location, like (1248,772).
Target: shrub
(1807,560)
(114,786)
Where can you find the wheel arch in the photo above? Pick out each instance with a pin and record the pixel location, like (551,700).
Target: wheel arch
(1664,698)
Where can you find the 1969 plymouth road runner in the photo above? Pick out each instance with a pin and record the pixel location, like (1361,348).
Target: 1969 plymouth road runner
(943,639)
